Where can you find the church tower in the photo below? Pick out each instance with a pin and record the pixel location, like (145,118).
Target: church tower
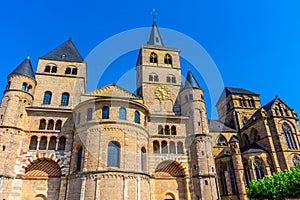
(198,140)
(158,74)
(236,106)
(18,95)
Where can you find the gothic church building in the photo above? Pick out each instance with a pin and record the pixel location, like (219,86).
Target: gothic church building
(58,141)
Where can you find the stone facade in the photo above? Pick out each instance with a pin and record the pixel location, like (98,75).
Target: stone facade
(58,141)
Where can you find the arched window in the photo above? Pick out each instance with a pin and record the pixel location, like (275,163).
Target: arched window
(173,79)
(191,97)
(79,158)
(168,79)
(246,139)
(167,130)
(43,143)
(52,143)
(221,141)
(168,59)
(47,97)
(143,159)
(247,171)
(179,147)
(62,143)
(153,58)
(232,181)
(47,68)
(29,88)
(8,85)
(42,125)
(295,160)
(150,77)
(54,69)
(58,125)
(24,86)
(50,125)
(173,130)
(172,147)
(113,155)
(137,117)
(64,99)
(89,115)
(156,147)
(160,130)
(155,78)
(122,114)
(289,137)
(164,147)
(255,135)
(33,143)
(74,71)
(223,182)
(68,70)
(105,112)
(259,169)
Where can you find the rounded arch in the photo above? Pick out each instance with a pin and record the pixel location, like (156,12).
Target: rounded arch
(169,196)
(169,168)
(40,197)
(43,168)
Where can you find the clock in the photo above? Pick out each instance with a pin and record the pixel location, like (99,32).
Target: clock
(162,93)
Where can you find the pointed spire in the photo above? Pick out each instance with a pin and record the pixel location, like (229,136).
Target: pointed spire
(190,81)
(155,38)
(64,52)
(25,68)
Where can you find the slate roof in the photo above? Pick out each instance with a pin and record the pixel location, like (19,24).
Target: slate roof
(225,152)
(216,125)
(233,139)
(190,81)
(230,90)
(25,68)
(253,148)
(64,52)
(155,37)
(269,105)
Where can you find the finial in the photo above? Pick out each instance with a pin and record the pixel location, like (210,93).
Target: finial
(189,69)
(154,15)
(70,37)
(276,96)
(28,57)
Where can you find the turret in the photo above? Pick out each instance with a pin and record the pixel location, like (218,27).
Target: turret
(199,140)
(238,167)
(19,92)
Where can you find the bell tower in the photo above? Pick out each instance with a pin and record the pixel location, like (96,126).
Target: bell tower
(158,74)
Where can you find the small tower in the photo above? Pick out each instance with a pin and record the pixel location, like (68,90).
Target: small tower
(198,140)
(19,92)
(17,95)
(238,167)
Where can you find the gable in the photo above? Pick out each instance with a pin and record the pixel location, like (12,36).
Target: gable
(112,90)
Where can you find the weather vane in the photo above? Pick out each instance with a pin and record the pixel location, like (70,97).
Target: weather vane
(154,14)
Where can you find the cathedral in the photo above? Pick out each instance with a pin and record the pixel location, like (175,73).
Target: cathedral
(59,141)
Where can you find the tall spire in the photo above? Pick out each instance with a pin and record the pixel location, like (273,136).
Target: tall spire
(25,68)
(190,81)
(65,52)
(155,38)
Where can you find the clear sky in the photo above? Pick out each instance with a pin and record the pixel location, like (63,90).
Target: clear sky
(254,44)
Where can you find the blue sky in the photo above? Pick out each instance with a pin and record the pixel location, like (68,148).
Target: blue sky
(254,44)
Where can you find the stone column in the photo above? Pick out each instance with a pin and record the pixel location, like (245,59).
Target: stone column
(82,191)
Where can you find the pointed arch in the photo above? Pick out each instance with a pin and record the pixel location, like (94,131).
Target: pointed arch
(221,141)
(153,58)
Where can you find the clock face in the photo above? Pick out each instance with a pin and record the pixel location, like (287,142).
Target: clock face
(162,93)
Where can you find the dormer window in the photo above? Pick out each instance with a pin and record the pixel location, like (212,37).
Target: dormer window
(153,58)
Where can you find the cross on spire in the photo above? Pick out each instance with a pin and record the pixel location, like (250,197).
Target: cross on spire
(154,14)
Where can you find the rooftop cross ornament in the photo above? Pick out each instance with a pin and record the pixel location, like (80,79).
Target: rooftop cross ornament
(154,14)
